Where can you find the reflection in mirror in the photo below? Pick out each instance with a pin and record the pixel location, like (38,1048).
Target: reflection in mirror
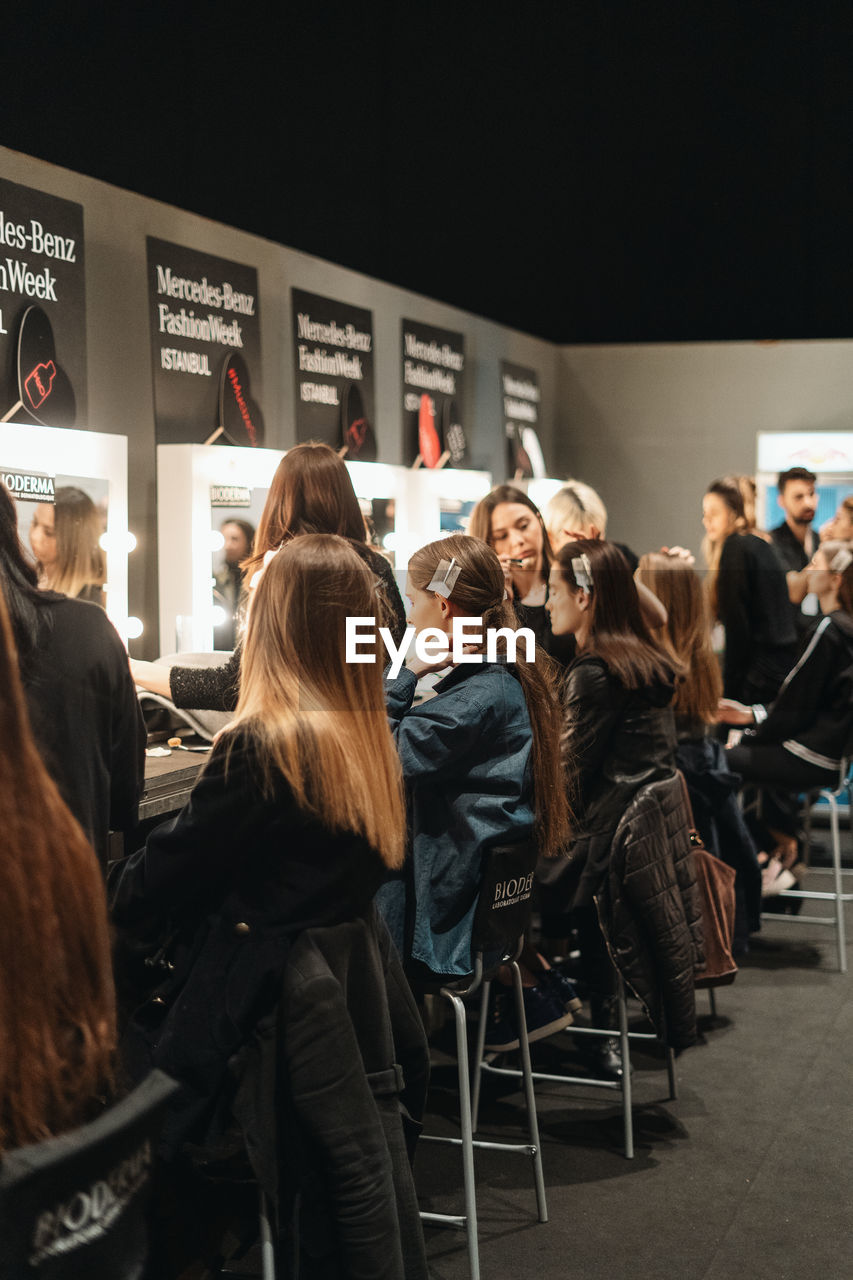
(64,537)
(232,533)
(379,524)
(455,515)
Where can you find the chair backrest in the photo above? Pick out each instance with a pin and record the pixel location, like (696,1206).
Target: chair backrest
(506,897)
(74,1207)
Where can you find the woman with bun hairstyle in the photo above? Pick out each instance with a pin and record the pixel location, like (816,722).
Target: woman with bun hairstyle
(797,742)
(65,538)
(513,527)
(619,735)
(748,594)
(481,761)
(311,492)
(57,1005)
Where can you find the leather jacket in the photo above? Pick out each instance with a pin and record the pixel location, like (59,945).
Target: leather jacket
(650,912)
(616,740)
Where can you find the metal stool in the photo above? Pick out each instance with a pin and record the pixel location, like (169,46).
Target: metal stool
(500,921)
(837,895)
(623,1084)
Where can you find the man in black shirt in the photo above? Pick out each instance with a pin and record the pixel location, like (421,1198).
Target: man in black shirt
(795,541)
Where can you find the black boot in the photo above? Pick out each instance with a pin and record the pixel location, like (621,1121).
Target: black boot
(603,1054)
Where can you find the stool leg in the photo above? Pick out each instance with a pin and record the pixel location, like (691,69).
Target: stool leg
(836,871)
(530,1097)
(267,1247)
(477,1076)
(712,1000)
(670,1071)
(624,1044)
(467,1135)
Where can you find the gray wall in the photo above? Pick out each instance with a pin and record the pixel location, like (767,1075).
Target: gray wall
(120,386)
(650,426)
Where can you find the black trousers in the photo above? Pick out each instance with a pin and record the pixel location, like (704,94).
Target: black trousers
(781,777)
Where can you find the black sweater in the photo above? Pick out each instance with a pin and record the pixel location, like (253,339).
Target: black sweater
(813,714)
(754,608)
(85,716)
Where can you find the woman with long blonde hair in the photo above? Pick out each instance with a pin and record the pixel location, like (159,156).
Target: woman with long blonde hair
(57,1005)
(65,538)
(294,823)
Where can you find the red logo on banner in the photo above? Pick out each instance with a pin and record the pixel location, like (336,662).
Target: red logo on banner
(38,384)
(243,407)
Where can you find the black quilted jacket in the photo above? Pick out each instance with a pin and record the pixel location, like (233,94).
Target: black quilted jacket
(650,912)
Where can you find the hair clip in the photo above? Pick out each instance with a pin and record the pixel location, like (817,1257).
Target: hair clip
(445,577)
(841,560)
(582,570)
(259,573)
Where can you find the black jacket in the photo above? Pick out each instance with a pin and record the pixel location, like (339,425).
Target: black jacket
(616,741)
(231,880)
(650,911)
(812,717)
(755,609)
(793,557)
(218,688)
(85,717)
(326,1087)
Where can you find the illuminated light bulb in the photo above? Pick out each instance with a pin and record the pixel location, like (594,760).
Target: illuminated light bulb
(218,616)
(134,628)
(391,541)
(217,541)
(117,542)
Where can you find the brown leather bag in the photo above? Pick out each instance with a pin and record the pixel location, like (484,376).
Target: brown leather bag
(716,884)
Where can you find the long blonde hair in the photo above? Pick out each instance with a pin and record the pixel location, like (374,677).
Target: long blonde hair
(317,719)
(80,562)
(479,592)
(57,1001)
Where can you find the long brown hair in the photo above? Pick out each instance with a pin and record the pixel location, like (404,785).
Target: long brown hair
(686,633)
(317,719)
(480,525)
(311,492)
(80,562)
(617,632)
(57,1002)
(479,593)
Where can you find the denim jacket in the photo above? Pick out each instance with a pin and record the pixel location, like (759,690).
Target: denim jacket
(466,761)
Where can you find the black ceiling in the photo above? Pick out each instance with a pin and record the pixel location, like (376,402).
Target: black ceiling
(588,172)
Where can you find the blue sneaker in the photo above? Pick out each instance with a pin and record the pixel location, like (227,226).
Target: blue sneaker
(543,1013)
(562,988)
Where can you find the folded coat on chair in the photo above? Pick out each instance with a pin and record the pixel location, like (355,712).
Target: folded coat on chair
(650,911)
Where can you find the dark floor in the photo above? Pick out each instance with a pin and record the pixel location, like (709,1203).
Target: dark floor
(746,1174)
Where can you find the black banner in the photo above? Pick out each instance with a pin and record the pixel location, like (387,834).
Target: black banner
(433,396)
(42,309)
(205,346)
(333,361)
(521,401)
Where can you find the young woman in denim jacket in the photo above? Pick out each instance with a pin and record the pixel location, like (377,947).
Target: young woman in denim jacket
(481,758)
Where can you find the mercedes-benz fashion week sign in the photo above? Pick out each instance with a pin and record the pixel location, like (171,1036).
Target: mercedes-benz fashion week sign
(205,347)
(42,309)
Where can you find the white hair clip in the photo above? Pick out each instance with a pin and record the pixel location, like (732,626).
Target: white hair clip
(582,570)
(259,573)
(840,561)
(445,577)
